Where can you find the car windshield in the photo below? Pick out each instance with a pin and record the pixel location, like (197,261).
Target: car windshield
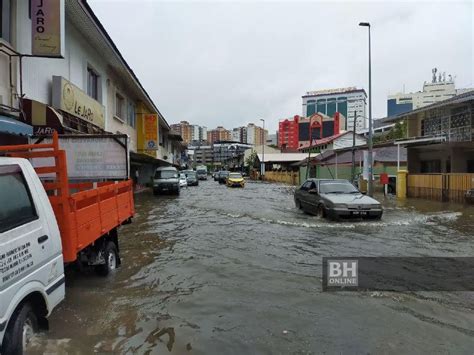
(201,171)
(334,187)
(166,174)
(224,173)
(182,176)
(235,176)
(191,174)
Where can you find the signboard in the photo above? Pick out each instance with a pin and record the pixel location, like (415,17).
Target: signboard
(47,28)
(69,98)
(91,156)
(151,131)
(384,178)
(44,119)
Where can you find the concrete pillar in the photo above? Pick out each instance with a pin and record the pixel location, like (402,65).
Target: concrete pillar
(402,184)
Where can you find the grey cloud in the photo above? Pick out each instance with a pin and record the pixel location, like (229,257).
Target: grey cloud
(229,63)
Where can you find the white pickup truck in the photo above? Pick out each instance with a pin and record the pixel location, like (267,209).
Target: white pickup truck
(31,260)
(47,221)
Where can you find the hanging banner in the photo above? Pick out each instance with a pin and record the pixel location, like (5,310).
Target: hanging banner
(90,156)
(47,28)
(151,131)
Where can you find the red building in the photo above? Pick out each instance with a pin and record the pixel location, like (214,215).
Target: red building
(288,131)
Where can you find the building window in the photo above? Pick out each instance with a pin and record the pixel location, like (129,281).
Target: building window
(119,106)
(92,83)
(5,16)
(131,114)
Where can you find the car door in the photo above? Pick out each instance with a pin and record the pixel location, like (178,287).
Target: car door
(303,195)
(312,199)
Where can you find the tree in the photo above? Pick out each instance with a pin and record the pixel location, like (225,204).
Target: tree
(398,131)
(252,160)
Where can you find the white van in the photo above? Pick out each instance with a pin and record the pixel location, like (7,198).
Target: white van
(31,260)
(166,180)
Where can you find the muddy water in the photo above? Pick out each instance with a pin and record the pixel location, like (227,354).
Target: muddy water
(230,271)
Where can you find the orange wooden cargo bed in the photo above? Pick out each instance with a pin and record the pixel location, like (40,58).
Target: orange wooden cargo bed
(83,216)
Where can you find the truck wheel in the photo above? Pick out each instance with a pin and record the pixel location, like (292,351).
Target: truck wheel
(21,328)
(111,260)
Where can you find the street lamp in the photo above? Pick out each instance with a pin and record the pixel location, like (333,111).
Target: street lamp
(370,162)
(262,164)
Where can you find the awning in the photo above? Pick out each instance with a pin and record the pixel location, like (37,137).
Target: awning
(12,126)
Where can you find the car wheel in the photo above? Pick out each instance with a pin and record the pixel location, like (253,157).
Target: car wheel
(111,260)
(21,328)
(298,204)
(321,211)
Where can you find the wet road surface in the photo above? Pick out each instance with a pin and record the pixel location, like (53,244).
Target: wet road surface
(238,271)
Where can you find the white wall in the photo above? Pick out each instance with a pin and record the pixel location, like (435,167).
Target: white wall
(78,55)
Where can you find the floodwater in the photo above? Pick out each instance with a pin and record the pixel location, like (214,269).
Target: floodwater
(238,271)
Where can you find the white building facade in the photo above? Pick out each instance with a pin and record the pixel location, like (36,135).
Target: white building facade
(440,88)
(349,102)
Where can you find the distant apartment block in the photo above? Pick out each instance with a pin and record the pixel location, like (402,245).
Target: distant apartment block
(256,135)
(190,132)
(219,134)
(348,102)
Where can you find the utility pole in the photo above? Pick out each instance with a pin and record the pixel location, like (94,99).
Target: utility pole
(309,150)
(370,162)
(262,164)
(353,147)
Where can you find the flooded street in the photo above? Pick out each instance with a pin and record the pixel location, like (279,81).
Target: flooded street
(238,271)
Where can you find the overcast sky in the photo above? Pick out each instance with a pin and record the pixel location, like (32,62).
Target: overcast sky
(231,63)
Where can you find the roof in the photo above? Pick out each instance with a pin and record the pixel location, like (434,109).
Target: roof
(387,154)
(282,157)
(80,14)
(334,92)
(326,140)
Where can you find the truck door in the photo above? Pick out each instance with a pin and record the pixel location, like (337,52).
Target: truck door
(24,238)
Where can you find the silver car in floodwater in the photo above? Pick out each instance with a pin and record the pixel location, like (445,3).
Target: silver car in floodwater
(335,199)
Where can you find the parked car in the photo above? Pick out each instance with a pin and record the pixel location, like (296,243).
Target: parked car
(183,182)
(235,180)
(215,175)
(166,180)
(192,178)
(334,199)
(222,177)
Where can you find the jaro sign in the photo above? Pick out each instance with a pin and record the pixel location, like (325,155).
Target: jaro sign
(69,98)
(47,28)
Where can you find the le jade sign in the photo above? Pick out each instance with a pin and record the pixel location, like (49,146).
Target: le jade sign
(47,28)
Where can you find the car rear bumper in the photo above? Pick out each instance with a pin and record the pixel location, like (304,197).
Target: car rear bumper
(347,213)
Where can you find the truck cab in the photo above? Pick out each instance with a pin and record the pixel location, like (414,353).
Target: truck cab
(31,261)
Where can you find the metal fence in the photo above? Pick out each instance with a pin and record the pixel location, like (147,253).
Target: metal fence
(286,177)
(440,187)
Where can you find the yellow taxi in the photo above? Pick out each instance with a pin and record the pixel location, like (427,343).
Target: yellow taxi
(235,180)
